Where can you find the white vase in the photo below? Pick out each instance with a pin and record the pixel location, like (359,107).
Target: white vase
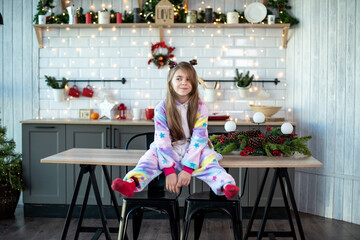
(42,19)
(243,92)
(59,95)
(210,95)
(104,17)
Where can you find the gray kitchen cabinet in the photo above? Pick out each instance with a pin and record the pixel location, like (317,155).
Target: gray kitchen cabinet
(87,136)
(45,183)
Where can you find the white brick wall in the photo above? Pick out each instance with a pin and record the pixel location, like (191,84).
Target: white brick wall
(88,53)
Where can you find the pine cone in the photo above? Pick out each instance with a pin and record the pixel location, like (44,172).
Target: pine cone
(273,139)
(236,134)
(256,142)
(252,133)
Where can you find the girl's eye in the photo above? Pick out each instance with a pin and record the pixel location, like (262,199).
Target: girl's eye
(178,79)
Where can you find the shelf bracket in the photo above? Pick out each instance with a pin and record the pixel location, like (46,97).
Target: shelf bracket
(285,36)
(39,36)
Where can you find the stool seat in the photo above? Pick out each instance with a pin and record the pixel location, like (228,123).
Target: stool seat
(197,204)
(143,201)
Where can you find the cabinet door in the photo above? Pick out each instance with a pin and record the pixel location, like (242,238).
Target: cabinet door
(45,182)
(87,136)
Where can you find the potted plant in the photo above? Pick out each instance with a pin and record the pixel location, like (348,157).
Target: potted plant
(11,182)
(104,16)
(243,82)
(43,7)
(58,89)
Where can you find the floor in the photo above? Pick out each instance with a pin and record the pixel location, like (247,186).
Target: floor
(315,228)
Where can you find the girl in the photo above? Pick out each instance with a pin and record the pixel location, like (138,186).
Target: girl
(181,142)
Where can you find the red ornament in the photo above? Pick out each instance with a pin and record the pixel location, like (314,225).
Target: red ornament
(122,111)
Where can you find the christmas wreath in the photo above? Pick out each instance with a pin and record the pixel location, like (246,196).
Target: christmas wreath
(161,54)
(254,142)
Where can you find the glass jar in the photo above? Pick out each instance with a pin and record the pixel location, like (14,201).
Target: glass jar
(191,16)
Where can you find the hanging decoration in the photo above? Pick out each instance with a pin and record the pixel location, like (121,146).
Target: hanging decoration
(149,10)
(254,142)
(161,54)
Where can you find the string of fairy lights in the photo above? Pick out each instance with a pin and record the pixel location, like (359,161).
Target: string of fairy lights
(144,95)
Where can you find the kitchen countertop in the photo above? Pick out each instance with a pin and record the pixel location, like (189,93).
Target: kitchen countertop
(132,122)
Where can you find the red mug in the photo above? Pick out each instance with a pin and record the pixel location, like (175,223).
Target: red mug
(149,113)
(74,91)
(87,91)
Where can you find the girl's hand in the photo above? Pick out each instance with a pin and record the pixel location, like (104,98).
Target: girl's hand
(171,181)
(183,179)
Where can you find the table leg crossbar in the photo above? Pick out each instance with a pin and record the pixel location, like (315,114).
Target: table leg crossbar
(279,174)
(91,182)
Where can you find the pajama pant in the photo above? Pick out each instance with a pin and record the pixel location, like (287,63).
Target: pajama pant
(209,171)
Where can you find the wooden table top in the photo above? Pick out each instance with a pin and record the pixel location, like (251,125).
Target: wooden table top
(121,157)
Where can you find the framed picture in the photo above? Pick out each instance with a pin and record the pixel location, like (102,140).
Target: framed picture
(85,113)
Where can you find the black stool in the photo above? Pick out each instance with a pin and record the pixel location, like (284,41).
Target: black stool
(156,199)
(198,203)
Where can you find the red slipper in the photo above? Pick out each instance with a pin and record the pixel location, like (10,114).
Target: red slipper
(231,191)
(124,187)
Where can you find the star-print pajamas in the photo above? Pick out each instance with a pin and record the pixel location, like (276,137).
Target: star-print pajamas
(194,154)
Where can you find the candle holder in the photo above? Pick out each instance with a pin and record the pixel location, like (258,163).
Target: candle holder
(136,15)
(208,15)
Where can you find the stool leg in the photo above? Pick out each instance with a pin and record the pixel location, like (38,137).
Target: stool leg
(237,224)
(186,223)
(174,219)
(137,219)
(123,221)
(199,220)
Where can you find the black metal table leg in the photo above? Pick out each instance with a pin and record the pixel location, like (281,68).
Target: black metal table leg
(83,208)
(268,204)
(99,202)
(83,170)
(113,198)
(293,203)
(256,205)
(287,207)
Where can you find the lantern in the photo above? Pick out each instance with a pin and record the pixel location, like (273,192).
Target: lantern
(122,111)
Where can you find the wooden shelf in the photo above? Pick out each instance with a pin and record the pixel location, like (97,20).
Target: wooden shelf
(39,27)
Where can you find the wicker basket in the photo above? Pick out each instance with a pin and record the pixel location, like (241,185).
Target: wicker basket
(268,111)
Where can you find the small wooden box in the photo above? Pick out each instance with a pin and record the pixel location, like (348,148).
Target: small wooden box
(85,113)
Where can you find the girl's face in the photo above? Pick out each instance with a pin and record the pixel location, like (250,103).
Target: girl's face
(181,85)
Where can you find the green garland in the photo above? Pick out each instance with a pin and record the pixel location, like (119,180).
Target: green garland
(284,16)
(148,11)
(272,143)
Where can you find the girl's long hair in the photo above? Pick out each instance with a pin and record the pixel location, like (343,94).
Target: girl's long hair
(172,114)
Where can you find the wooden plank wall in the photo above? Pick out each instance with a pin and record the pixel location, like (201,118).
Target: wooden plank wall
(323,71)
(18,66)
(323,64)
